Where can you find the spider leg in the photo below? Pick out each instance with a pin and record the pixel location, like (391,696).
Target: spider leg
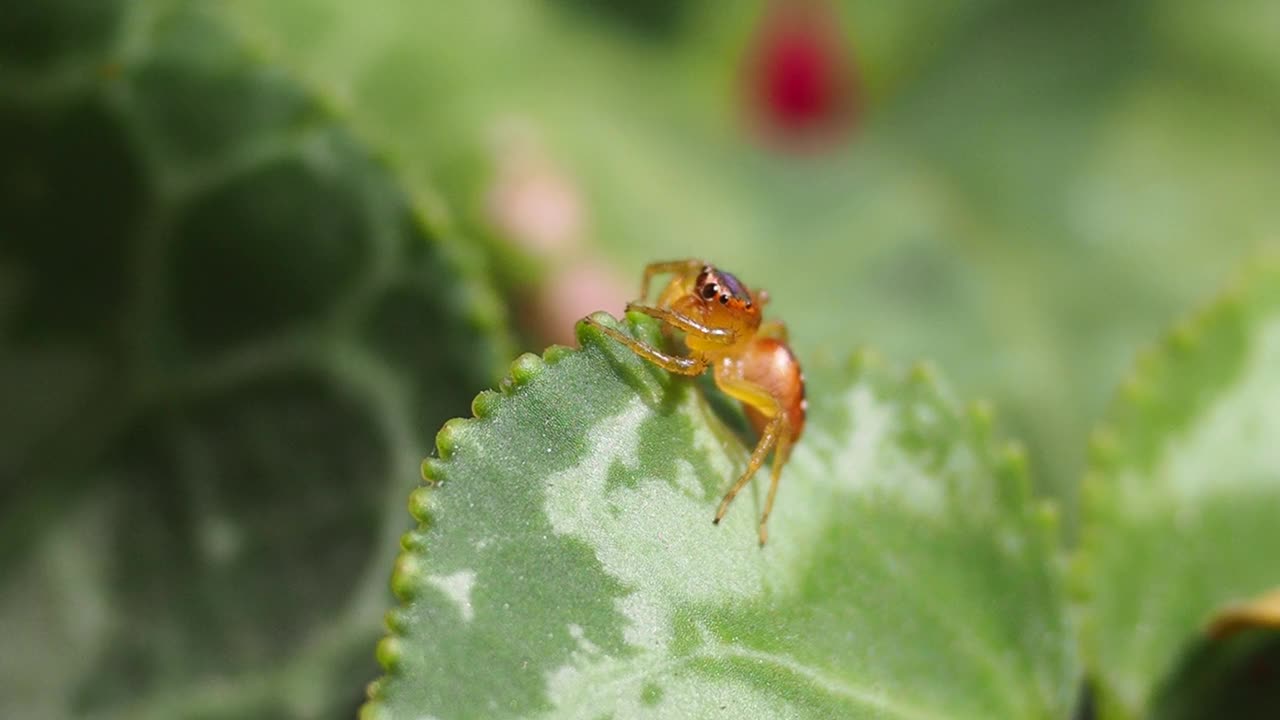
(670,266)
(780,456)
(768,439)
(775,434)
(686,323)
(670,363)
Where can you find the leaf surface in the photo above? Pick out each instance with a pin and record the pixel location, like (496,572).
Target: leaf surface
(567,565)
(1183,494)
(225,333)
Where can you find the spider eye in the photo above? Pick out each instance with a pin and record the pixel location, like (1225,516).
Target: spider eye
(724,299)
(709,291)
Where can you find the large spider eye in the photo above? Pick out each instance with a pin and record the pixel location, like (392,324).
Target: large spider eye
(709,291)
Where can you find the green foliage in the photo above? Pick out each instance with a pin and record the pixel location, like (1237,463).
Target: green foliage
(1033,191)
(232,317)
(1183,492)
(567,548)
(215,376)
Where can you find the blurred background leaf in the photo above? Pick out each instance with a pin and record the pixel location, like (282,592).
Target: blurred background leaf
(1180,518)
(1023,192)
(225,338)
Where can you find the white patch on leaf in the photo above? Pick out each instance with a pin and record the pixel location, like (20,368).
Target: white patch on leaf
(1240,430)
(457,587)
(655,537)
(1230,447)
(660,541)
(580,636)
(859,466)
(687,479)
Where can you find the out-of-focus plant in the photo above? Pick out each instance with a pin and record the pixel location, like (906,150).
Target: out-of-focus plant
(225,336)
(254,253)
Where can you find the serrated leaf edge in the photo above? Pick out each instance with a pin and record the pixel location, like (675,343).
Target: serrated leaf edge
(1007,460)
(1106,454)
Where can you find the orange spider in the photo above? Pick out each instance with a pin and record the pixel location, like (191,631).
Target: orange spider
(750,360)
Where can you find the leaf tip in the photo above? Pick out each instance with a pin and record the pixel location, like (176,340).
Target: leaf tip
(1012,461)
(1048,515)
(1079,579)
(420,504)
(406,577)
(588,333)
(389,652)
(923,374)
(555,353)
(413,540)
(485,403)
(862,360)
(374,710)
(982,413)
(1136,389)
(432,470)
(396,621)
(523,369)
(447,438)
(1103,446)
(1184,338)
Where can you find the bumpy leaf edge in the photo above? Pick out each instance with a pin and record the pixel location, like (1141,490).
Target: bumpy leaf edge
(1007,457)
(1123,436)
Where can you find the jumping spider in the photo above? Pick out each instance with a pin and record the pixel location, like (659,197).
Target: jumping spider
(749,359)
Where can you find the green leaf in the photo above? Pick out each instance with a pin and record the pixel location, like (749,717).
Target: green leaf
(224,336)
(567,565)
(1182,496)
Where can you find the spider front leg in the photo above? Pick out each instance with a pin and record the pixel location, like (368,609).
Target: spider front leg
(671,363)
(670,266)
(686,323)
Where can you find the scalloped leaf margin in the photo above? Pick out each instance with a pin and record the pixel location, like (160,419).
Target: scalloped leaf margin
(910,574)
(1183,492)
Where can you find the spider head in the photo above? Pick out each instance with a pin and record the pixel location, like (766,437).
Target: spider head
(722,295)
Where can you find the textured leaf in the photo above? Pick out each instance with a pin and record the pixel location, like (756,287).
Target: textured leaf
(567,565)
(224,334)
(1183,494)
